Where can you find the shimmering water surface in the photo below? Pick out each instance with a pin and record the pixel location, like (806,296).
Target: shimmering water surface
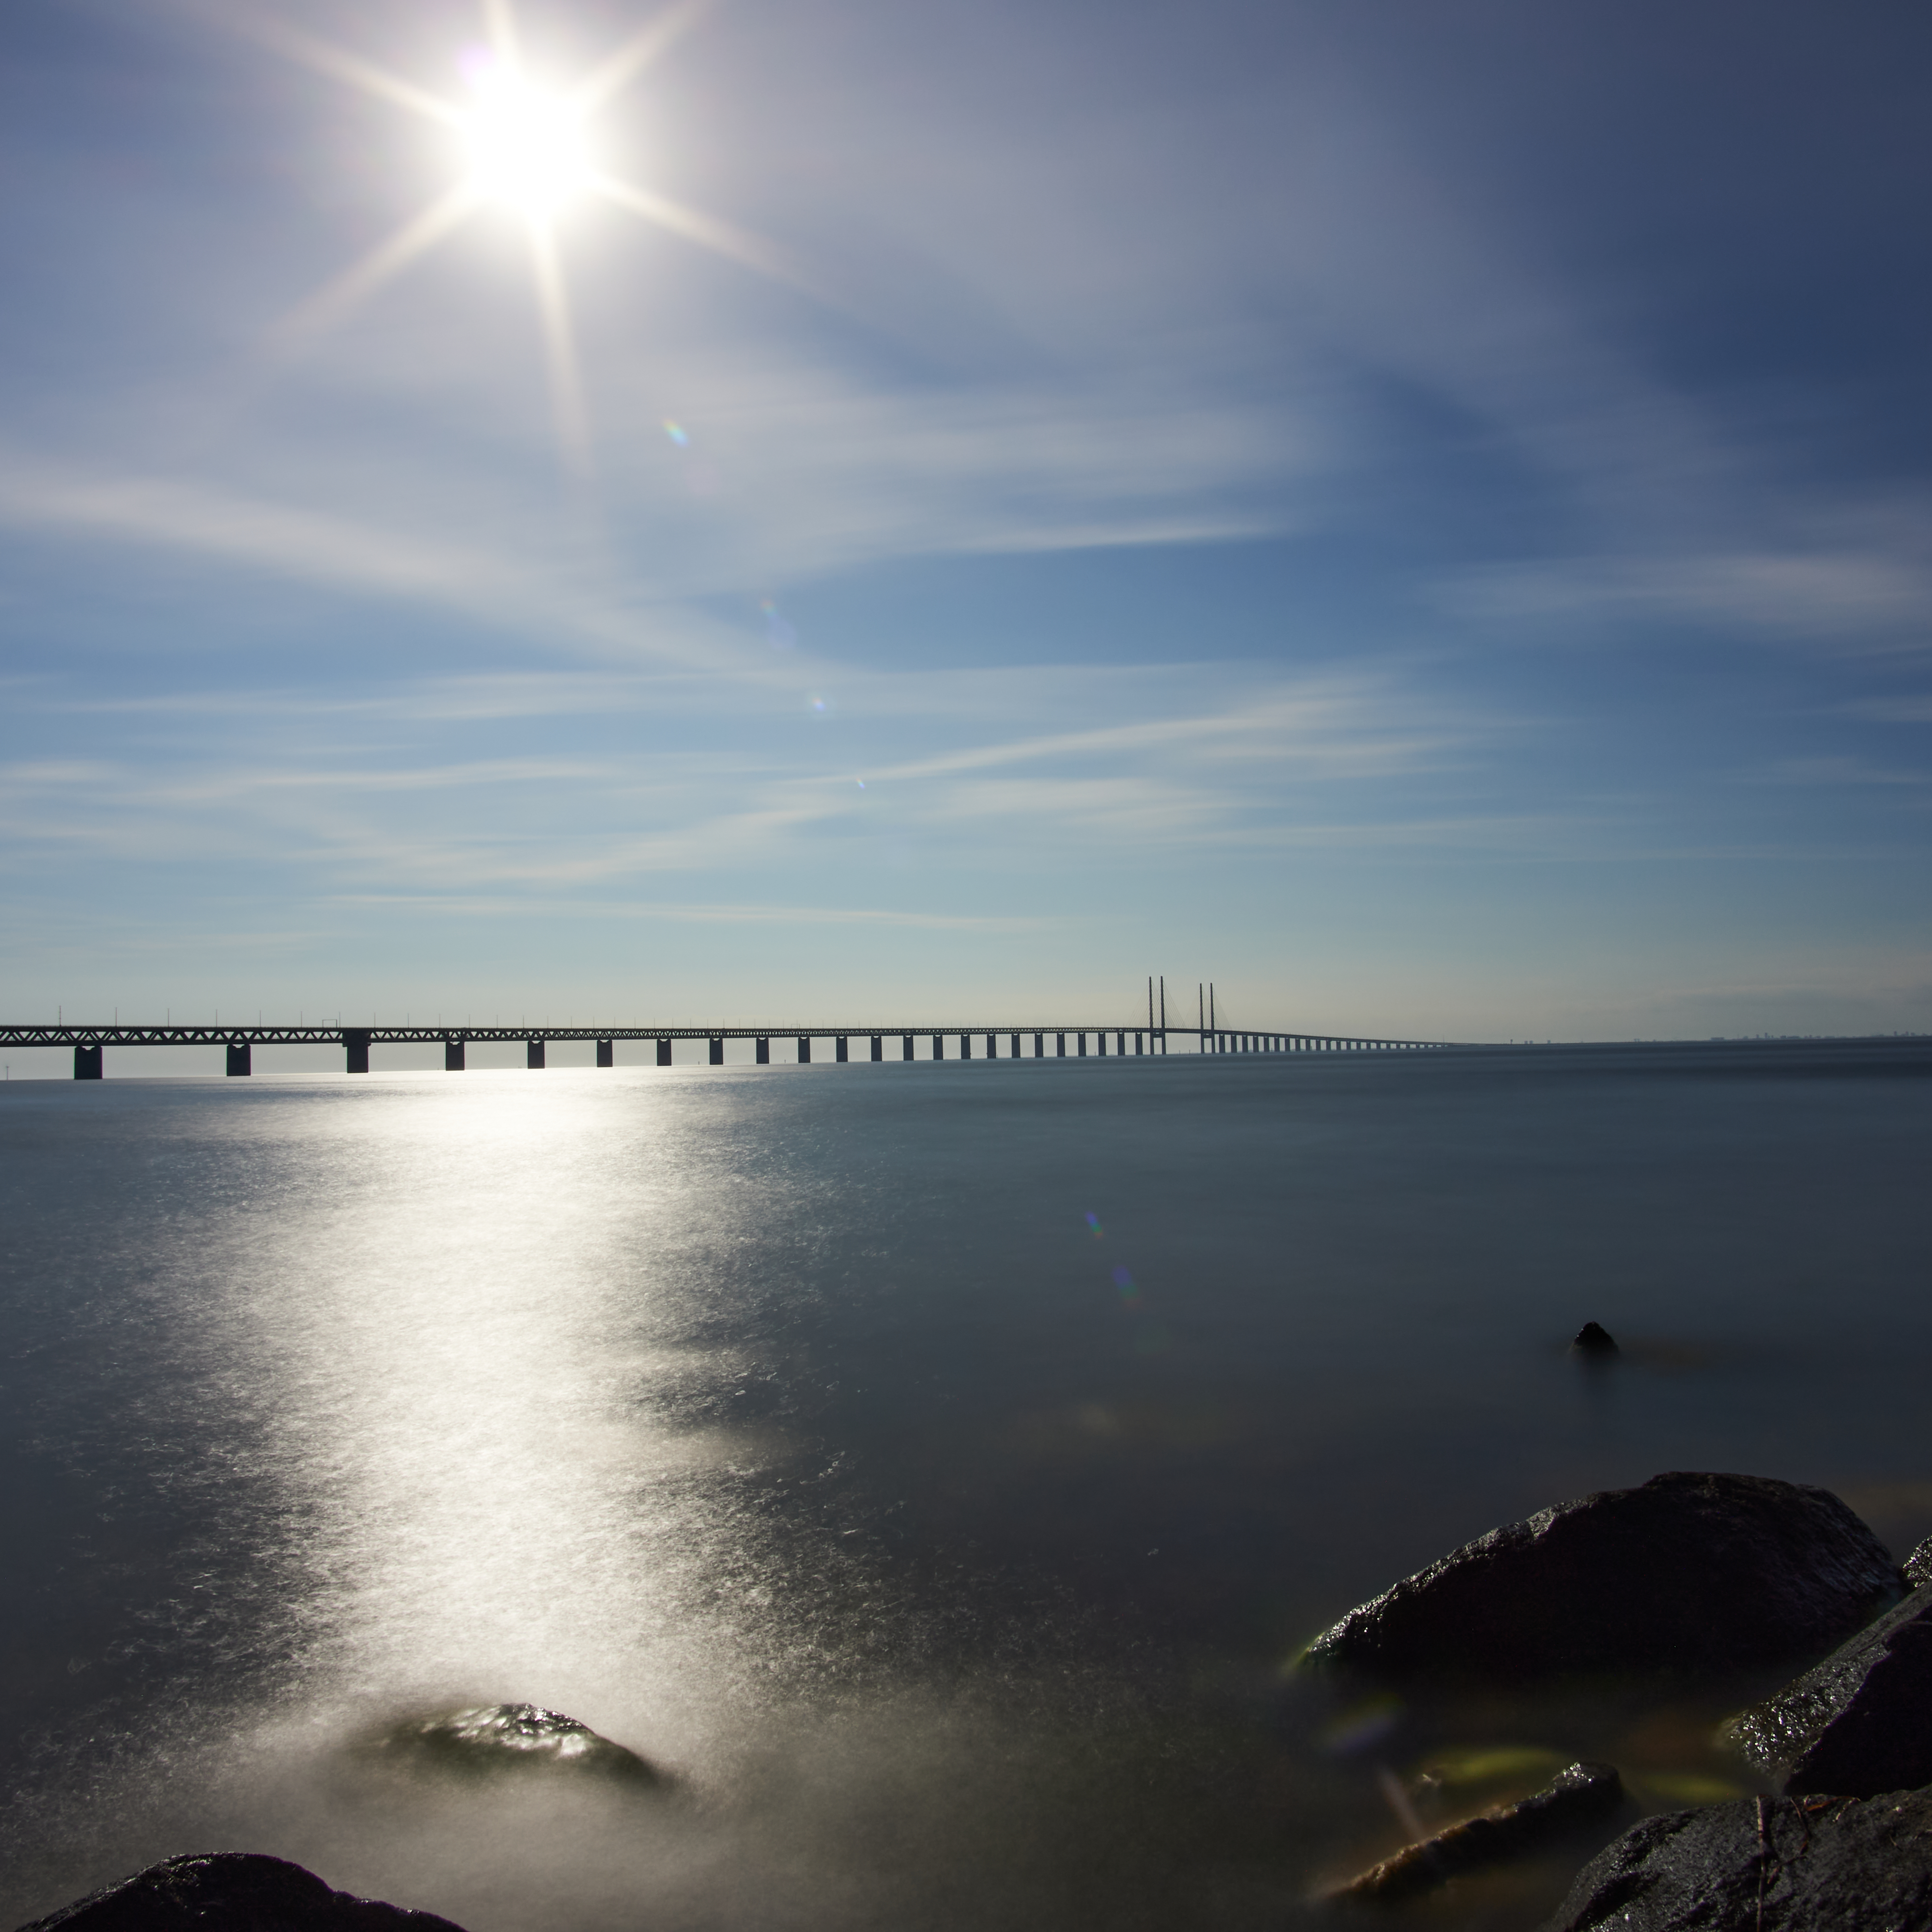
(934,1468)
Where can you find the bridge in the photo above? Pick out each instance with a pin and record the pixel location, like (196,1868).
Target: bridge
(90,1042)
(1048,1042)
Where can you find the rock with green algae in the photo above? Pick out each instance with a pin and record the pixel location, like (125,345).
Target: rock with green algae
(1575,1799)
(492,1740)
(231,1891)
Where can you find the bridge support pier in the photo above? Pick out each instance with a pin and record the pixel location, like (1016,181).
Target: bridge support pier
(663,1053)
(1039,1046)
(452,1056)
(607,1053)
(87,1062)
(355,1040)
(939,1046)
(241,1057)
(716,1056)
(905,1046)
(804,1050)
(965,1046)
(533,1055)
(878,1046)
(1015,1043)
(762,1051)
(838,1049)
(1060,1046)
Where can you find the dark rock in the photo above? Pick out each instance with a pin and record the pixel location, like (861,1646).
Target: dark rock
(1592,1340)
(1761,1864)
(1918,1566)
(1859,1723)
(489,1739)
(1689,1572)
(1580,1796)
(231,1891)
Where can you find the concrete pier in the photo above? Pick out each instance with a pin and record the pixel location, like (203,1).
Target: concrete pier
(663,1053)
(804,1050)
(716,1044)
(878,1046)
(838,1050)
(87,1062)
(241,1057)
(965,1046)
(607,1053)
(355,1046)
(905,1046)
(533,1055)
(763,1053)
(452,1056)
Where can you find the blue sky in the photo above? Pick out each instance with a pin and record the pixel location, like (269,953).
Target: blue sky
(1418,513)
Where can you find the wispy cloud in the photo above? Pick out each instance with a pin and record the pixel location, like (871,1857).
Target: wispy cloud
(1866,601)
(788,912)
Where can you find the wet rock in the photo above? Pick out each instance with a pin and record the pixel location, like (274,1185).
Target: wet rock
(1582,1795)
(1592,1340)
(490,1740)
(1918,1566)
(1688,1572)
(1859,1723)
(1761,1864)
(231,1891)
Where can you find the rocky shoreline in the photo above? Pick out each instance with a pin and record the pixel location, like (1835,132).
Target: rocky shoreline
(1684,1579)
(1688,1575)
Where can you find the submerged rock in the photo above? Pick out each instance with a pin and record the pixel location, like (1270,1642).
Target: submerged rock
(1690,1571)
(231,1891)
(1592,1340)
(1580,1796)
(1761,1864)
(486,1740)
(1859,1723)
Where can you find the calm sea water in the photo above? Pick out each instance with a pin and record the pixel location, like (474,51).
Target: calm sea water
(936,1468)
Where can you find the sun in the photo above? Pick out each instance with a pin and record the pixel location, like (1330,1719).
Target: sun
(524,147)
(527,149)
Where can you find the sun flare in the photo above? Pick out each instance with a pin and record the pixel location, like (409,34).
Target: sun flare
(527,149)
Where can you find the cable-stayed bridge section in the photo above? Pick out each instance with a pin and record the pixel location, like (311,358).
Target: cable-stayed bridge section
(967,1042)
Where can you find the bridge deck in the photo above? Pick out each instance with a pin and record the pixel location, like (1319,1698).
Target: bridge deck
(336,1033)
